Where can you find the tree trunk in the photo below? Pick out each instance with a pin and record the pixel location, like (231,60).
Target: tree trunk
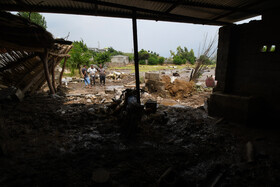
(62,71)
(44,59)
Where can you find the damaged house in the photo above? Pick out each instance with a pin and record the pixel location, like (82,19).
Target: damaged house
(29,55)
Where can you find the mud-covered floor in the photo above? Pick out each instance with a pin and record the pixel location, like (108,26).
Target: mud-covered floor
(45,142)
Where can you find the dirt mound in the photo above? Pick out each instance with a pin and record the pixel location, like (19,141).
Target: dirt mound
(167,81)
(179,88)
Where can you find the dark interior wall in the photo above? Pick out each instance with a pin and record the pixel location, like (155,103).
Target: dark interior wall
(253,71)
(243,69)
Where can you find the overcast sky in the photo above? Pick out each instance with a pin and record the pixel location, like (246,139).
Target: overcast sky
(160,37)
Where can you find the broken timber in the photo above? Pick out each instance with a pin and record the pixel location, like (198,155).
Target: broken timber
(46,70)
(28,55)
(62,70)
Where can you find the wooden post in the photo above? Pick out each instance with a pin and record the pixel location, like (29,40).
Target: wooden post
(136,64)
(46,70)
(62,71)
(53,75)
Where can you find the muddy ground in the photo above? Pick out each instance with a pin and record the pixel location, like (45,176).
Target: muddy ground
(67,141)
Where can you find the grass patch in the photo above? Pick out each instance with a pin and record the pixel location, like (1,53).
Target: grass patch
(147,68)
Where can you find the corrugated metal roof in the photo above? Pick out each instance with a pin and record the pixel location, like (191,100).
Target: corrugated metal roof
(212,12)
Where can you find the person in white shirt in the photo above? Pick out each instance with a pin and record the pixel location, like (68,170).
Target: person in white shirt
(92,72)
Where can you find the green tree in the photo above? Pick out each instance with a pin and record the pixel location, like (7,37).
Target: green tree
(152,57)
(130,56)
(161,60)
(142,62)
(191,58)
(205,59)
(153,60)
(113,52)
(143,54)
(184,55)
(80,55)
(178,60)
(34,17)
(101,58)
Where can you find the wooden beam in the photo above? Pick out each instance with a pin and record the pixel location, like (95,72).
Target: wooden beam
(62,41)
(46,70)
(22,78)
(136,64)
(18,62)
(173,6)
(34,80)
(59,55)
(62,71)
(53,75)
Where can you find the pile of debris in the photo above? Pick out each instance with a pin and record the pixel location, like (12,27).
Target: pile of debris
(179,88)
(168,86)
(116,75)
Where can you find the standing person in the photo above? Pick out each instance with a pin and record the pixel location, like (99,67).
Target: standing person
(85,75)
(92,72)
(102,74)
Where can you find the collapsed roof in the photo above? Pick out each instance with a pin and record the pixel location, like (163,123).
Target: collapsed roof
(22,45)
(212,12)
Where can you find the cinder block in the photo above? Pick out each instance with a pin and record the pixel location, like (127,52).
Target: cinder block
(152,76)
(240,109)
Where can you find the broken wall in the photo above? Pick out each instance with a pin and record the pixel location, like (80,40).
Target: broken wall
(248,64)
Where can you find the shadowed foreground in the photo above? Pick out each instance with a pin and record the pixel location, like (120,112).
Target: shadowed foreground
(45,142)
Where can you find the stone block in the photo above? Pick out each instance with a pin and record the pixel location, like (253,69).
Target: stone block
(152,76)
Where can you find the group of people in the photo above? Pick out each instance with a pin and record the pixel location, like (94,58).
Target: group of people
(90,75)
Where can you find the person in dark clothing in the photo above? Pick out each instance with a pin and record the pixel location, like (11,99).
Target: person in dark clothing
(102,74)
(85,75)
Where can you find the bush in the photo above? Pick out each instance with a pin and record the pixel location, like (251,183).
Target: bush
(161,60)
(205,60)
(142,62)
(101,58)
(178,60)
(152,61)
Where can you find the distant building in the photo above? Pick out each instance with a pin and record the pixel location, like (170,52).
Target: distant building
(120,59)
(95,49)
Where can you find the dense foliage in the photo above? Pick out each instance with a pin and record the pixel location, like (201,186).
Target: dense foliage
(205,60)
(80,55)
(153,58)
(34,17)
(161,60)
(101,58)
(182,56)
(178,60)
